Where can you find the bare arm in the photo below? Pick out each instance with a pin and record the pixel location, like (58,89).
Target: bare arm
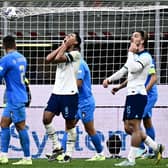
(122,85)
(51,56)
(60,56)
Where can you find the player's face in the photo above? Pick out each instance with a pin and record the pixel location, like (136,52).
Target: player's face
(71,36)
(137,38)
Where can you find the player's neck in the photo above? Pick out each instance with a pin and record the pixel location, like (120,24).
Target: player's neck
(10,50)
(141,48)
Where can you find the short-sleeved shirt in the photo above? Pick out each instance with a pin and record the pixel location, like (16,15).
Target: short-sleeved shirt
(66,73)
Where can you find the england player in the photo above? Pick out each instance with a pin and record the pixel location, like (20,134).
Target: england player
(137,66)
(12,71)
(64,98)
(151,88)
(86,108)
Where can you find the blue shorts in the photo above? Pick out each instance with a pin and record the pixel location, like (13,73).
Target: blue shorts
(16,112)
(150,104)
(134,107)
(86,110)
(65,104)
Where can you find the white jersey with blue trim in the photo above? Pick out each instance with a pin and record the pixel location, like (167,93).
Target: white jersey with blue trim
(138,68)
(66,74)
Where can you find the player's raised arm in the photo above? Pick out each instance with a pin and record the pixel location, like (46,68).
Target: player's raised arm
(50,57)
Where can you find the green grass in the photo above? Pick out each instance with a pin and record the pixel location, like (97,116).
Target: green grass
(81,163)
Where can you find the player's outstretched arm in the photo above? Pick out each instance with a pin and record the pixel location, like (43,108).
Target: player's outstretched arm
(116,89)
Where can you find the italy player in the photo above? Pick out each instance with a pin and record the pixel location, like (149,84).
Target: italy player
(86,108)
(152,92)
(12,71)
(64,98)
(137,66)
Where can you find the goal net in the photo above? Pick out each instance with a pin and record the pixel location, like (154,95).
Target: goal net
(105,27)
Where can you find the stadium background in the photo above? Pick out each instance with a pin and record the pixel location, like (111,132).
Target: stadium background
(106,35)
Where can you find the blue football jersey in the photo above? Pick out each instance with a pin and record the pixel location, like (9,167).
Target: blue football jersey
(12,70)
(84,75)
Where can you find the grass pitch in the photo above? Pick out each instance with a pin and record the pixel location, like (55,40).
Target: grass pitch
(81,163)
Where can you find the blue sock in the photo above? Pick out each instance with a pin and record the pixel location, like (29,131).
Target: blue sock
(63,141)
(5,139)
(142,145)
(97,143)
(151,132)
(25,142)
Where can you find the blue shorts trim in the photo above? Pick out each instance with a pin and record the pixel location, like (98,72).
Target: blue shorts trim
(17,112)
(134,107)
(86,110)
(65,104)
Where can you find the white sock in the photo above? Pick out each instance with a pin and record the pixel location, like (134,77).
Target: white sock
(132,153)
(27,158)
(151,143)
(52,136)
(71,134)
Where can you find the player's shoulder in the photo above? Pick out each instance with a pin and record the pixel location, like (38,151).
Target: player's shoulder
(145,55)
(75,53)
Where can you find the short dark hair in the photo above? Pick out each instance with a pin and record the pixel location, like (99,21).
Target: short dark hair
(78,39)
(9,42)
(144,35)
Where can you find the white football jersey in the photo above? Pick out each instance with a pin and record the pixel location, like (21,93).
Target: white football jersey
(66,73)
(137,76)
(137,67)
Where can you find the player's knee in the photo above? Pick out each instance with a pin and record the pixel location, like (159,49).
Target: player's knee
(90,131)
(128,130)
(46,121)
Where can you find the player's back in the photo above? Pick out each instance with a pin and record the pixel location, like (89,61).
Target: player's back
(12,69)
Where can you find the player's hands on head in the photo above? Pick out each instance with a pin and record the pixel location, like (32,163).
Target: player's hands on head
(70,41)
(105,83)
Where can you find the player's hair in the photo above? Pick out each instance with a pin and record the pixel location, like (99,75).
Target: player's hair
(144,35)
(9,42)
(78,39)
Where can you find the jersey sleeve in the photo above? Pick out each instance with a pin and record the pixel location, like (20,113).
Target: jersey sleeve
(3,67)
(152,69)
(137,63)
(73,56)
(81,72)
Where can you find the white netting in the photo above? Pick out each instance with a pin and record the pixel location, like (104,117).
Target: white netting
(105,27)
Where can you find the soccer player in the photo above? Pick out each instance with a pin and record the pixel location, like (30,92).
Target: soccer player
(86,108)
(12,70)
(137,66)
(151,88)
(64,98)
